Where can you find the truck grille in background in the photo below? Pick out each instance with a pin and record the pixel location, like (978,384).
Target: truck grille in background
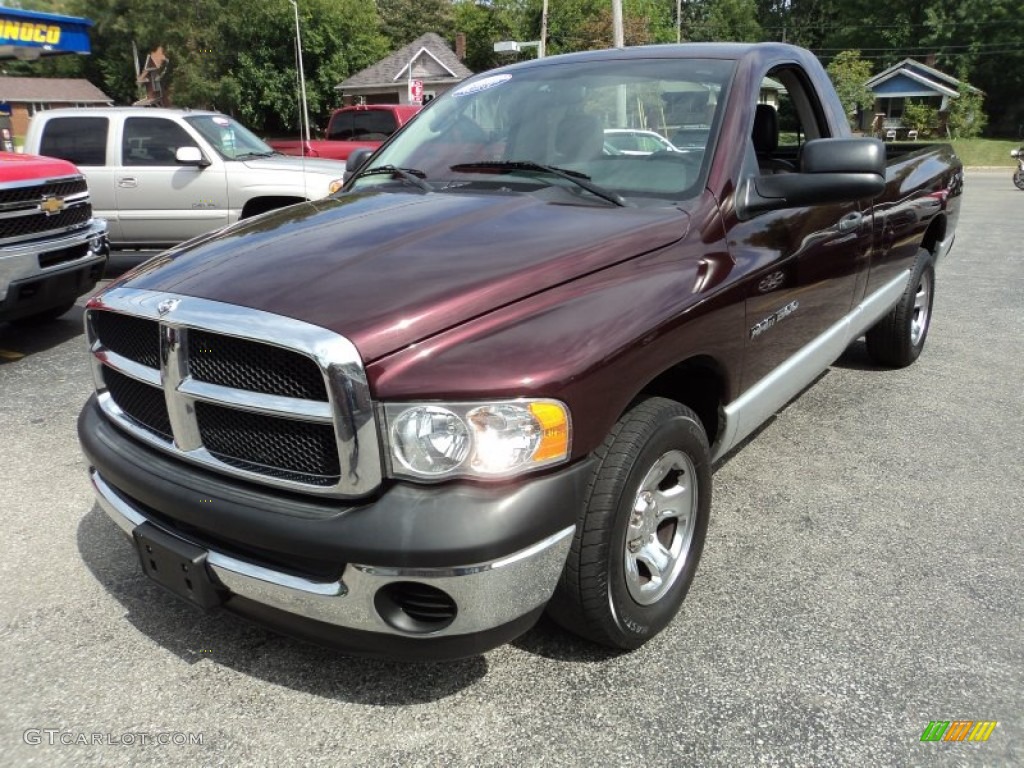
(136,338)
(256,367)
(36,223)
(144,403)
(36,192)
(245,428)
(266,444)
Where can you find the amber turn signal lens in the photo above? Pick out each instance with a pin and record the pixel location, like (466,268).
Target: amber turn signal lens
(554,423)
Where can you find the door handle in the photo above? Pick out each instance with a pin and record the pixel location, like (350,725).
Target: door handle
(850,222)
(128,182)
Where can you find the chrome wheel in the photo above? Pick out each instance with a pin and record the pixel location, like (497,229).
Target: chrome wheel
(661,527)
(922,309)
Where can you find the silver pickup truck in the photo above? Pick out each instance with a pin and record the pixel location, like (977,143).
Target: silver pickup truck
(161,176)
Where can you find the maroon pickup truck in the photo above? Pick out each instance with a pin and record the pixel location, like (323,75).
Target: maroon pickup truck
(501,363)
(351,128)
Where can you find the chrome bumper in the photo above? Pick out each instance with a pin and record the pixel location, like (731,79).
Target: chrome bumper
(487,595)
(20,261)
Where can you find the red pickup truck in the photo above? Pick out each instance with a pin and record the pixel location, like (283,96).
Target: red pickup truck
(351,128)
(495,376)
(52,250)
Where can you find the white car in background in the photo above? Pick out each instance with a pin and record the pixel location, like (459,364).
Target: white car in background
(635,141)
(162,176)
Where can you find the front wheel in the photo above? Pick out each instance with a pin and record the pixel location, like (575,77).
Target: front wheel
(1018,179)
(641,533)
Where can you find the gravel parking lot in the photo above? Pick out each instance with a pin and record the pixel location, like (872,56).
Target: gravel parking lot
(862,577)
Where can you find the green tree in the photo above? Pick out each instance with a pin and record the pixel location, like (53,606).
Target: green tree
(848,72)
(402,21)
(966,118)
(733,20)
(232,55)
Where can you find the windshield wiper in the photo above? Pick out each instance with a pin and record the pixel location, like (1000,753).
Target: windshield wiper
(412,176)
(248,155)
(579,179)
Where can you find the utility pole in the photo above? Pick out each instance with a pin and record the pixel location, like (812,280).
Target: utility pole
(542,48)
(679,21)
(304,117)
(618,39)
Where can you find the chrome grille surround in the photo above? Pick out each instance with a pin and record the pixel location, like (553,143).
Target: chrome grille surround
(22,217)
(348,410)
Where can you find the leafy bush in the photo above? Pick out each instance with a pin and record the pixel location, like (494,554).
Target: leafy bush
(921,118)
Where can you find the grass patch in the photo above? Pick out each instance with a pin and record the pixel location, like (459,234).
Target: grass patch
(986,152)
(974,153)
(990,152)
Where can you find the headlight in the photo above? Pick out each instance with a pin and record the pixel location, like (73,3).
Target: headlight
(435,441)
(335,186)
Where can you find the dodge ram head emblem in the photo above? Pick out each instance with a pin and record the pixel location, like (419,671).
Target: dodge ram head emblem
(51,205)
(167,305)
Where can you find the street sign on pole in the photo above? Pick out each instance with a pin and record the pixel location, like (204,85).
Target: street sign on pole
(415,91)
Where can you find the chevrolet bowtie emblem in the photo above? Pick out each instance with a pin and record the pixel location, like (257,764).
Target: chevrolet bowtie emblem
(51,205)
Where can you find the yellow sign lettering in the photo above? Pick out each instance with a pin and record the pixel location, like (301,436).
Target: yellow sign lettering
(44,34)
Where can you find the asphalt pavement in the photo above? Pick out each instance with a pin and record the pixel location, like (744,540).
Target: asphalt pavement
(862,577)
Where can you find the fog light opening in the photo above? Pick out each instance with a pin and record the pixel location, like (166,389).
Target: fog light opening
(415,608)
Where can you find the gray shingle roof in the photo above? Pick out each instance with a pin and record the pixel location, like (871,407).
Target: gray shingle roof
(386,71)
(51,90)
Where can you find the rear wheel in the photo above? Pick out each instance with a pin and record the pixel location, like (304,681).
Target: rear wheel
(898,338)
(1018,179)
(640,536)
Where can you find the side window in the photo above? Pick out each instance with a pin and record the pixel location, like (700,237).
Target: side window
(152,141)
(79,140)
(786,116)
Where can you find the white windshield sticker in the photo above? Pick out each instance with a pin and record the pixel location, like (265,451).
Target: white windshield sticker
(481,85)
(222,121)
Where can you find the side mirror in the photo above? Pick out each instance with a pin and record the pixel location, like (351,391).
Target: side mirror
(831,171)
(190,156)
(356,159)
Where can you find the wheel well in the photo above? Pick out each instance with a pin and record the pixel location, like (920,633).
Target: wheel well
(697,383)
(259,205)
(936,232)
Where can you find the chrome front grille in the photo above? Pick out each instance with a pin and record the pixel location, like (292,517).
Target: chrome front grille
(253,366)
(200,380)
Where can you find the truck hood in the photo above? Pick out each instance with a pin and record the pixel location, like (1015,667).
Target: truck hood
(387,269)
(18,167)
(278,163)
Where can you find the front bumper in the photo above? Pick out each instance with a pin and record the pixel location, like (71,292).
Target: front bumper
(40,274)
(496,553)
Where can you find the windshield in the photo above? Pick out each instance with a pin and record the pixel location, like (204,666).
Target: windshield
(232,140)
(571,117)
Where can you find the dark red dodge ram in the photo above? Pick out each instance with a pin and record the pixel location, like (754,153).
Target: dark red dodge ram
(490,377)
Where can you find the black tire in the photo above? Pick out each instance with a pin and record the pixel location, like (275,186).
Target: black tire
(46,316)
(1018,179)
(898,338)
(597,597)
